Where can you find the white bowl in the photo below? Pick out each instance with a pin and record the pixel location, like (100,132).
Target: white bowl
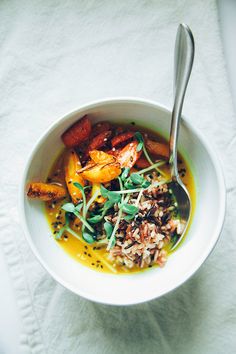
(182,264)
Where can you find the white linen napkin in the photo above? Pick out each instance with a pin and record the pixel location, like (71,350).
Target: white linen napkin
(56,55)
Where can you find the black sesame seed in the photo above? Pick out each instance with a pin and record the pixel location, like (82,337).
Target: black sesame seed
(89,255)
(86,247)
(85,252)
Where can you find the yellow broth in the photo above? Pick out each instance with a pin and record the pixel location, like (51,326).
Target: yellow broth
(91,255)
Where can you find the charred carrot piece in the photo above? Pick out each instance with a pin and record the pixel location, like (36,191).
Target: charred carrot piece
(122,138)
(102,173)
(100,127)
(71,166)
(101,157)
(157,149)
(77,133)
(114,151)
(142,162)
(99,141)
(45,191)
(128,156)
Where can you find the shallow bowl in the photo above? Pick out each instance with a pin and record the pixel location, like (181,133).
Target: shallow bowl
(202,235)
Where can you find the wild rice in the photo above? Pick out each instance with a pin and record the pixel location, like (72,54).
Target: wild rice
(143,242)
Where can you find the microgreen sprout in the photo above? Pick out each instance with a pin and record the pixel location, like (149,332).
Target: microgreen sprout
(141,146)
(71,208)
(81,188)
(108,227)
(67,228)
(112,240)
(125,173)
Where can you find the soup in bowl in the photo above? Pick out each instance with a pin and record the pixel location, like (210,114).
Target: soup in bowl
(97,208)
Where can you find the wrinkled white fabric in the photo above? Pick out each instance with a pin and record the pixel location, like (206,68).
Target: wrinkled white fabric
(56,55)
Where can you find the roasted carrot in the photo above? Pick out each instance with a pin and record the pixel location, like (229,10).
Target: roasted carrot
(101,157)
(128,156)
(78,133)
(121,138)
(157,149)
(100,127)
(71,165)
(114,151)
(102,173)
(142,162)
(99,141)
(45,191)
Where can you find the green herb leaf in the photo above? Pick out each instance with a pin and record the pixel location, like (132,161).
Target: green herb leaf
(129,185)
(108,227)
(104,191)
(129,208)
(79,207)
(67,219)
(69,207)
(136,178)
(145,184)
(112,196)
(95,219)
(79,186)
(108,205)
(129,217)
(88,237)
(125,173)
(138,136)
(139,147)
(58,236)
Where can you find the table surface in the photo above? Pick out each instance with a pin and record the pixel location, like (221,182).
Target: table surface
(9,319)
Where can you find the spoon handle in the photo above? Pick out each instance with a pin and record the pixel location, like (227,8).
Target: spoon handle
(184,55)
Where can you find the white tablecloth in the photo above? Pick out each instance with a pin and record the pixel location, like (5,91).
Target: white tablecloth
(56,55)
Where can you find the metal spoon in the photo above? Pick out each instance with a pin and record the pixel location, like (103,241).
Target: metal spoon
(184,55)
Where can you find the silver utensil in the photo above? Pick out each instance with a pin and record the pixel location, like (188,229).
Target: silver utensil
(184,55)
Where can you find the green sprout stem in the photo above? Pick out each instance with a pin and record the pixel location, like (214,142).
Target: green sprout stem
(139,197)
(92,199)
(151,162)
(113,235)
(84,221)
(152,167)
